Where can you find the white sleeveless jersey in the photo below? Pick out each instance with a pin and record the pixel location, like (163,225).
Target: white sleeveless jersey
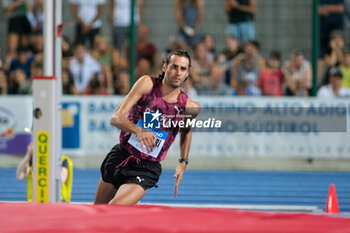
(122,13)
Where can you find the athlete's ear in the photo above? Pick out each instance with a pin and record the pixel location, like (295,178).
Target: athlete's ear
(164,67)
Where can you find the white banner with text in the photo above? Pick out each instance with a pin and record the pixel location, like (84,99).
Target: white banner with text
(282,127)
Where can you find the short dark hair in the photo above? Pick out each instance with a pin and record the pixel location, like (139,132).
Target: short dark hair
(275,55)
(95,82)
(335,71)
(255,43)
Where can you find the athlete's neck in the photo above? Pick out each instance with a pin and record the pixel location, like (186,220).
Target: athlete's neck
(169,94)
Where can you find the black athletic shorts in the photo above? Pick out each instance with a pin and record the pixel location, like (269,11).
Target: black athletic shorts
(19,25)
(145,173)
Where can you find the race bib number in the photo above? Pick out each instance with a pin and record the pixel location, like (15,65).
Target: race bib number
(161,136)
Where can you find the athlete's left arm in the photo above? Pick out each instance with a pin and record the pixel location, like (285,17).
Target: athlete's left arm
(192,109)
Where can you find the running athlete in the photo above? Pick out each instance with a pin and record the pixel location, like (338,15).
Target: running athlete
(132,167)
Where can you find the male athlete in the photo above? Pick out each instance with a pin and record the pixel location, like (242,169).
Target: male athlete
(132,167)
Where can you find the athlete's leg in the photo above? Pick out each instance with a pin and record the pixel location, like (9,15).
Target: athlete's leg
(104,193)
(128,194)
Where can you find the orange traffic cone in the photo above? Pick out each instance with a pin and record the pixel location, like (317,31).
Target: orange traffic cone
(332,202)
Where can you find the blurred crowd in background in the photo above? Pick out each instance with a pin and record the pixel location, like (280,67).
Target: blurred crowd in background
(94,63)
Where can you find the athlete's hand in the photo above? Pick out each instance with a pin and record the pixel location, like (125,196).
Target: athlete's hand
(147,140)
(178,175)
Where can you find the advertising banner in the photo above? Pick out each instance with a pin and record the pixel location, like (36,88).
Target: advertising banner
(15,124)
(249,127)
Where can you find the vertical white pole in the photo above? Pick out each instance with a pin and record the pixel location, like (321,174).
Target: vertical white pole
(46,125)
(58,73)
(49,37)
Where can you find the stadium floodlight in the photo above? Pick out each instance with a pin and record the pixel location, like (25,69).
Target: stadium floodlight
(47,111)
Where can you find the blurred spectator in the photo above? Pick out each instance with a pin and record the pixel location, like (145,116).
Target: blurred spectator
(333,56)
(143,66)
(95,87)
(345,68)
(68,87)
(18,26)
(24,83)
(243,88)
(241,19)
(119,14)
(271,79)
(144,48)
(209,43)
(36,15)
(3,82)
(331,18)
(200,65)
(146,51)
(298,74)
(67,52)
(176,42)
(189,90)
(347,22)
(19,83)
(231,49)
(215,85)
(24,170)
(334,88)
(37,45)
(189,15)
(22,61)
(122,83)
(38,12)
(83,66)
(36,69)
(102,52)
(88,17)
(229,57)
(248,65)
(123,63)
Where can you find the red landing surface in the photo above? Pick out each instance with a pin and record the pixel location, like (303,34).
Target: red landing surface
(20,217)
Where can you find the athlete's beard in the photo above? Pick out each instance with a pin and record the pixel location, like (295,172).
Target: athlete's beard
(172,85)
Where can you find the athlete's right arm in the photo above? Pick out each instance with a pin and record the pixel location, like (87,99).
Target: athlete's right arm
(119,119)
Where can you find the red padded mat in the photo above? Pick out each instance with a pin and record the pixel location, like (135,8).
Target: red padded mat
(62,217)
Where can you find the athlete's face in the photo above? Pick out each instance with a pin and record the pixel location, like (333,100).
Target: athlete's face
(176,71)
